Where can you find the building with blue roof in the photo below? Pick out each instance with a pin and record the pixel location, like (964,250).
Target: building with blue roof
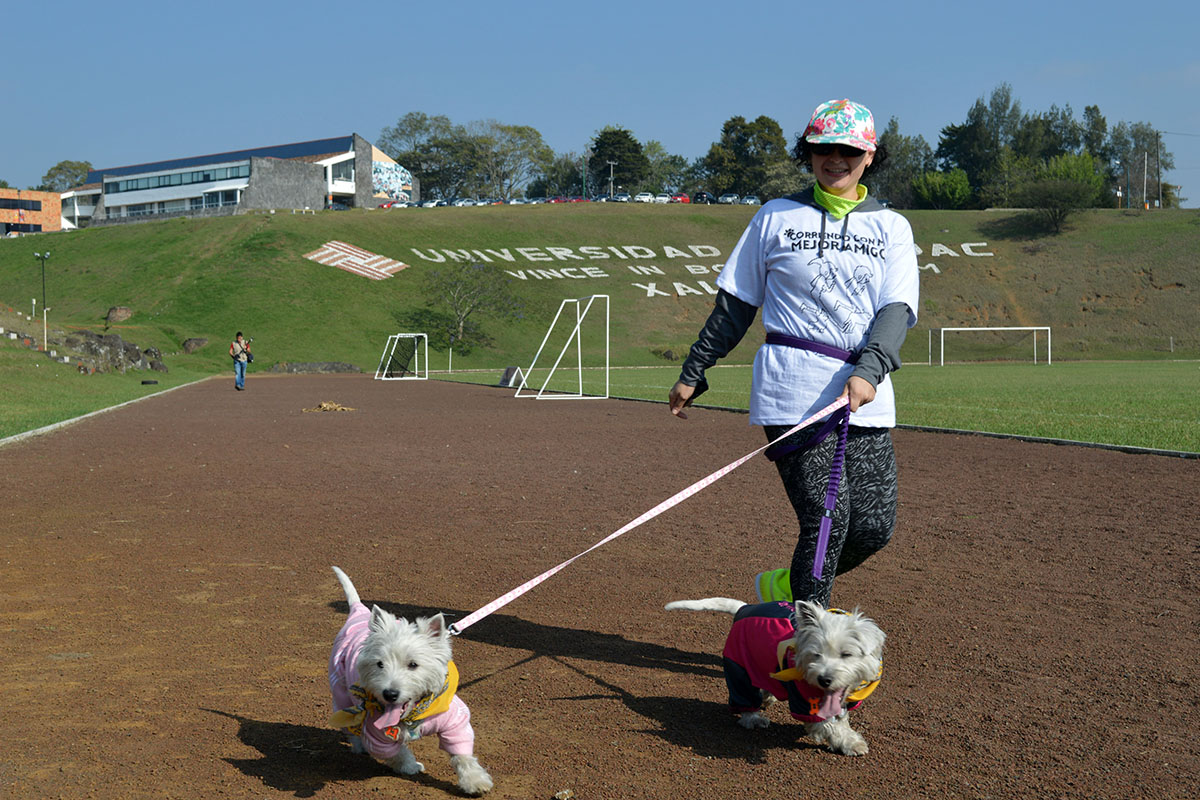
(340,172)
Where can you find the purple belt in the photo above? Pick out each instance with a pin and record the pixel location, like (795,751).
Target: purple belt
(848,356)
(839,419)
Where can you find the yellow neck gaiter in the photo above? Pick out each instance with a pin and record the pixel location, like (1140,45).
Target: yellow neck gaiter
(838,207)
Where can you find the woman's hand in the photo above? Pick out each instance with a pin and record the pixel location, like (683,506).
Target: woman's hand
(859,390)
(681,398)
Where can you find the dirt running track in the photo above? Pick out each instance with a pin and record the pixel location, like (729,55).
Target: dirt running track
(167,603)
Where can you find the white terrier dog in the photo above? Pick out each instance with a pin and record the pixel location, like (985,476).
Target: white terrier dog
(824,662)
(393,682)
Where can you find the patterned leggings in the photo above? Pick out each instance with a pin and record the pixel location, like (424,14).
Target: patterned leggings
(865,514)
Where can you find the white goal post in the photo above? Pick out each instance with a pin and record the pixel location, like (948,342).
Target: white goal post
(405,358)
(575,337)
(1034,328)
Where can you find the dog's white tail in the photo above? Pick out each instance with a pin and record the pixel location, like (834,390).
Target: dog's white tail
(347,586)
(725,604)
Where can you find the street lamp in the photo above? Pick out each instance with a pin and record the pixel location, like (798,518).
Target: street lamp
(43,257)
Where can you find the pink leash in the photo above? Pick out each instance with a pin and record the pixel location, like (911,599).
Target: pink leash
(469,620)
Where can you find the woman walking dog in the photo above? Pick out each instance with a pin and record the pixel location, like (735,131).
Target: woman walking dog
(836,277)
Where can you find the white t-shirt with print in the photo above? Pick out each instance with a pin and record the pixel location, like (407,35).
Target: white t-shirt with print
(820,279)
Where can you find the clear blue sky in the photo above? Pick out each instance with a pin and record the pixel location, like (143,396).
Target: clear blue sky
(132,81)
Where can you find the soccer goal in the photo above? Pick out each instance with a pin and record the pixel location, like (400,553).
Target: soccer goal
(405,358)
(996,344)
(585,341)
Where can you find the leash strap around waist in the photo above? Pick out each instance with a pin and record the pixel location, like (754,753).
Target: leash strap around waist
(469,620)
(840,420)
(849,356)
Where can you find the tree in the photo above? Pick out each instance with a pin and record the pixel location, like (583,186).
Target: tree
(1138,160)
(1049,134)
(432,148)
(908,157)
(976,144)
(65,175)
(942,190)
(745,154)
(484,157)
(465,292)
(668,173)
(1065,184)
(560,175)
(507,157)
(631,168)
(4,184)
(1007,177)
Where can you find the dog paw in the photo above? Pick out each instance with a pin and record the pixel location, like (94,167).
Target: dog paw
(854,745)
(472,777)
(753,721)
(406,764)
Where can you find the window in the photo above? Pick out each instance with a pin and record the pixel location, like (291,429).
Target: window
(22,205)
(177,179)
(344,171)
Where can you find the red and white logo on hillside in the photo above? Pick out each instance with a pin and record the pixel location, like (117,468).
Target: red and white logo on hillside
(356,260)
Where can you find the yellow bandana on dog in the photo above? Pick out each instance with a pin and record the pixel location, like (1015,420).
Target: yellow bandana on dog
(785,656)
(352,718)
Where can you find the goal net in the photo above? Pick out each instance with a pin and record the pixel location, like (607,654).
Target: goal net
(579,334)
(1018,343)
(405,357)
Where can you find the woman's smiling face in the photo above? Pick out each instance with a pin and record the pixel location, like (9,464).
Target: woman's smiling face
(837,171)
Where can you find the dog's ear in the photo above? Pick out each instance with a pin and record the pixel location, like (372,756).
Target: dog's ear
(807,614)
(437,626)
(380,620)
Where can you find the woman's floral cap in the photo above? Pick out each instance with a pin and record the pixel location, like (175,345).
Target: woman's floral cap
(842,122)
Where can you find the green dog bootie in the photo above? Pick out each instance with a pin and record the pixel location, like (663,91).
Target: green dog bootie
(774,584)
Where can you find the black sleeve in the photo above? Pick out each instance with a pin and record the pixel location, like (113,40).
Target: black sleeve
(726,325)
(882,353)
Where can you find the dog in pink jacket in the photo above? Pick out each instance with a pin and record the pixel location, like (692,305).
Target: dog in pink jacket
(392,682)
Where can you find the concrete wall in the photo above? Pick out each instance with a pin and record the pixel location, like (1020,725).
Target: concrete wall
(276,183)
(364,190)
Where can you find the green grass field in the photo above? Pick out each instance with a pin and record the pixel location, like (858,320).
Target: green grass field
(1133,404)
(1118,287)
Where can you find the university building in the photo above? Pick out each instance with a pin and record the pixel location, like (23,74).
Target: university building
(345,170)
(27,211)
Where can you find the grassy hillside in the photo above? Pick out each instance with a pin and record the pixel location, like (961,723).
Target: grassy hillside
(1115,284)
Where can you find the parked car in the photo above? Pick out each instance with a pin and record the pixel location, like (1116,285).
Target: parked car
(728,199)
(705,198)
(680,197)
(662,197)
(643,197)
(621,197)
(431,203)
(336,207)
(751,200)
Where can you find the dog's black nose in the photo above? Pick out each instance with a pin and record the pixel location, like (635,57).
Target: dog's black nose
(823,680)
(391,695)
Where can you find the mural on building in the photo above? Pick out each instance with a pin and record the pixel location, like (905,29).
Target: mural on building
(391,180)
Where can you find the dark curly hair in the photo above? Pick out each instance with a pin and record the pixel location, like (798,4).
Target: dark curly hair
(802,155)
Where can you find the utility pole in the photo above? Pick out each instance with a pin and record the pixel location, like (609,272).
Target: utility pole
(611,164)
(43,257)
(1158,163)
